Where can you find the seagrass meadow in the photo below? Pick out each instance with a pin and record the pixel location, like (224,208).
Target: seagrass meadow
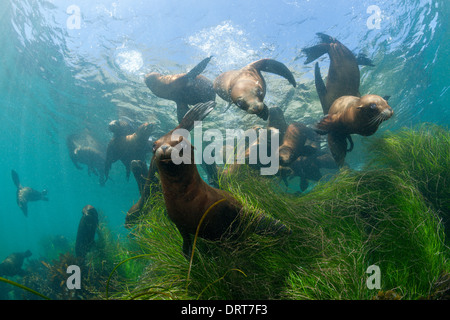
(392,214)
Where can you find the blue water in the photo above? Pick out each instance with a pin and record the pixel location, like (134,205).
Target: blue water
(60,76)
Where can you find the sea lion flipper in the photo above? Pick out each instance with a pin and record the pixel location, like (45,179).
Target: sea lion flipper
(140,172)
(182,109)
(338,147)
(264,114)
(362,60)
(314,52)
(320,88)
(16,179)
(199,68)
(350,140)
(276,67)
(187,243)
(324,125)
(196,113)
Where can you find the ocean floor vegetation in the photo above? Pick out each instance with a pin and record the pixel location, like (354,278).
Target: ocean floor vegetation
(391,217)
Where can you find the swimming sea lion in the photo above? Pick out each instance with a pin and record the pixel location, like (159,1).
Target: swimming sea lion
(91,157)
(12,265)
(25,194)
(343,74)
(352,115)
(128,147)
(197,113)
(276,120)
(246,87)
(294,143)
(86,231)
(185,88)
(188,197)
(120,128)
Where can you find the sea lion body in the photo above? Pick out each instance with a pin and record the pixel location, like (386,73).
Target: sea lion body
(276,120)
(352,115)
(127,148)
(246,87)
(185,88)
(343,74)
(186,195)
(86,231)
(12,265)
(92,157)
(26,194)
(294,143)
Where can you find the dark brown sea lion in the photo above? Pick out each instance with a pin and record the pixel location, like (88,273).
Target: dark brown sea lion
(352,115)
(120,128)
(276,120)
(86,231)
(93,158)
(12,265)
(343,74)
(197,113)
(127,148)
(246,87)
(188,197)
(25,194)
(294,143)
(185,88)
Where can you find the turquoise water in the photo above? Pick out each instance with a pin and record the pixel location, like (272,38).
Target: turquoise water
(62,74)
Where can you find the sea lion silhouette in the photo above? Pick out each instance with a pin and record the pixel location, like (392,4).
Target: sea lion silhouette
(12,265)
(86,231)
(26,194)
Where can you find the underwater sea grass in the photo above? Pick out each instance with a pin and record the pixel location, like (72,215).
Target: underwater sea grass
(355,219)
(374,217)
(423,154)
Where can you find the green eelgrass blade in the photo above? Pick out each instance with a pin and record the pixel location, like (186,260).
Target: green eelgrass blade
(24,288)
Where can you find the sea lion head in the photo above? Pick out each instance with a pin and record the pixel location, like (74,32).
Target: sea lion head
(171,152)
(249,96)
(371,111)
(151,78)
(89,210)
(120,128)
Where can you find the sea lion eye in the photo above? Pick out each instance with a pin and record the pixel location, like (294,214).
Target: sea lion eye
(373,106)
(154,147)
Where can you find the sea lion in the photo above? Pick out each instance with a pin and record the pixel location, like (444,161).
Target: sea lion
(90,156)
(185,88)
(343,74)
(276,120)
(148,183)
(25,194)
(140,172)
(352,115)
(128,147)
(197,113)
(120,128)
(86,231)
(294,143)
(188,197)
(12,265)
(246,87)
